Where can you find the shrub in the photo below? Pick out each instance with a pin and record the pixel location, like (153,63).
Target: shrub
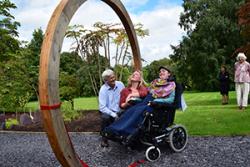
(10,122)
(68,113)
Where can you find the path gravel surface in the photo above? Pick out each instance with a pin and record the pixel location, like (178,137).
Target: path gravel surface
(33,150)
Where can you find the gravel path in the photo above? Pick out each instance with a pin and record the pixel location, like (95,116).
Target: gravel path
(33,150)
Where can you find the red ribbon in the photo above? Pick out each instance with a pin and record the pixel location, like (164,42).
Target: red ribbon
(83,163)
(50,107)
(138,162)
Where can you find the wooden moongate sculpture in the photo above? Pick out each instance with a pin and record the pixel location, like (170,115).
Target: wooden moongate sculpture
(49,74)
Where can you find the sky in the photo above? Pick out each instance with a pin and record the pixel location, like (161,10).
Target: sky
(160,17)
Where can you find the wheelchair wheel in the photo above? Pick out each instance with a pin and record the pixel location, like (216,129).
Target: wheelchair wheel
(178,138)
(152,153)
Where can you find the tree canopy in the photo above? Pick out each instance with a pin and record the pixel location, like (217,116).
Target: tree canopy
(8,30)
(212,36)
(244,23)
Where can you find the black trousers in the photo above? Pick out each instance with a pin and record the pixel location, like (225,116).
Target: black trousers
(106,120)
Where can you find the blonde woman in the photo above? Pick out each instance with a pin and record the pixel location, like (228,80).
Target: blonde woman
(136,89)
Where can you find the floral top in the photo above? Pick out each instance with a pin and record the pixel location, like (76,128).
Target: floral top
(242,72)
(161,88)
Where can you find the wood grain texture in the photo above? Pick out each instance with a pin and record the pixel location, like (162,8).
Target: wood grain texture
(49,74)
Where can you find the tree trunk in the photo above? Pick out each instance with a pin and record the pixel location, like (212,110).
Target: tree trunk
(123,60)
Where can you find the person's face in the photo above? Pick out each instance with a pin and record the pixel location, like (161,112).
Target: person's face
(222,69)
(241,59)
(136,76)
(164,74)
(111,80)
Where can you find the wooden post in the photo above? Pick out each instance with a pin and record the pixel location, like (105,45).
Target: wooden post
(49,74)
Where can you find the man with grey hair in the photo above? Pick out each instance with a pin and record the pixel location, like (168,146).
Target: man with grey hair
(109,98)
(242,80)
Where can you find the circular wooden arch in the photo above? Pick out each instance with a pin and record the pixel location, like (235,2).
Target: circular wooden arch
(49,74)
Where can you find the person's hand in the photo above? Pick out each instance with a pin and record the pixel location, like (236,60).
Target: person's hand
(128,98)
(114,115)
(116,118)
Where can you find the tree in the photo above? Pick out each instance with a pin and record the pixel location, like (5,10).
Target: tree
(31,57)
(69,87)
(8,31)
(13,89)
(212,37)
(70,82)
(70,62)
(91,43)
(244,23)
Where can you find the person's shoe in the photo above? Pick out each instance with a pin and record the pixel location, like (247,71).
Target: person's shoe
(104,143)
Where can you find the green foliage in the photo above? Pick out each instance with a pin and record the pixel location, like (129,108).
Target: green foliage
(89,75)
(86,88)
(8,31)
(14,90)
(89,43)
(19,78)
(31,54)
(69,87)
(122,73)
(70,62)
(36,44)
(69,113)
(212,37)
(10,122)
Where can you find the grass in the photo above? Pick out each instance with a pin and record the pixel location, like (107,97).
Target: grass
(90,103)
(84,103)
(32,105)
(204,116)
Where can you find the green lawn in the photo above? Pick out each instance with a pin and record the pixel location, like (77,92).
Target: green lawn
(90,103)
(86,103)
(204,116)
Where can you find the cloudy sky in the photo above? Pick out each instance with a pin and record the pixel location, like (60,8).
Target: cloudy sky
(161,17)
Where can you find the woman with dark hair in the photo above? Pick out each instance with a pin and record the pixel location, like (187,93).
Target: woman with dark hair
(224,84)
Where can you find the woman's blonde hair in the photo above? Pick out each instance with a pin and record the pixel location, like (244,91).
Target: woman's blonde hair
(142,82)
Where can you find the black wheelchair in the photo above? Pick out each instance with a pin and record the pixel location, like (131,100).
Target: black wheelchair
(157,128)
